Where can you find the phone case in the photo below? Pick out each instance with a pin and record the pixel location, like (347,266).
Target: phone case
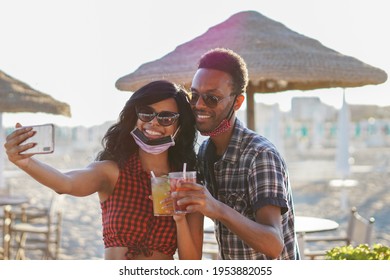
(44,137)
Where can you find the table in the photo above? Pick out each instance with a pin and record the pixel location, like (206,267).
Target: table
(304,224)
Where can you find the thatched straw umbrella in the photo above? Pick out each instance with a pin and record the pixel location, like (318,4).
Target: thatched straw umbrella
(16,97)
(278,59)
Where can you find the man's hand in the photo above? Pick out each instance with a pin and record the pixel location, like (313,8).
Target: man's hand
(198,199)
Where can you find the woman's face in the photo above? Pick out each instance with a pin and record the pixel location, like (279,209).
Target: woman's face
(153,129)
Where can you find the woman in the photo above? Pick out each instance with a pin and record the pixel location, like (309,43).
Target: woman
(155,132)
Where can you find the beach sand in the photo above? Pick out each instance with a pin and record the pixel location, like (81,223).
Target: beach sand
(310,171)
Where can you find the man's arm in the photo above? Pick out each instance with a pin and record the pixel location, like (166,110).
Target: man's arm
(263,235)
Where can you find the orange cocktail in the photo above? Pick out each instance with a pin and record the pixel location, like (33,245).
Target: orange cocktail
(160,192)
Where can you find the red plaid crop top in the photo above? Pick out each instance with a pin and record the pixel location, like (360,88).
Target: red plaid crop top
(127,216)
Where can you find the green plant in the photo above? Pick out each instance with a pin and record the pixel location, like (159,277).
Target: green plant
(360,252)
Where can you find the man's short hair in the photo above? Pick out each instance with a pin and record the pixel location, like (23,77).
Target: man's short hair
(227,61)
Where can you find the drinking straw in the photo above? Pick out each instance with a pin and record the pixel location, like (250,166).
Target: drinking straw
(151,172)
(184,170)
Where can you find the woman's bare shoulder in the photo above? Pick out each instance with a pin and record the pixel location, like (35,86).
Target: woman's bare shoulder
(109,170)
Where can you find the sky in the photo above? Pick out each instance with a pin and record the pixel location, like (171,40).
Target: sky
(75,50)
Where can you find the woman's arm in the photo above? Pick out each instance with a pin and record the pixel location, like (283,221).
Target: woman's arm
(81,182)
(96,177)
(189,236)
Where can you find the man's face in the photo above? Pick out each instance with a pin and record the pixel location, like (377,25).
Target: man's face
(211,83)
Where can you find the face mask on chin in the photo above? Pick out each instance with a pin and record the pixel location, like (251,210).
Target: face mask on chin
(153,146)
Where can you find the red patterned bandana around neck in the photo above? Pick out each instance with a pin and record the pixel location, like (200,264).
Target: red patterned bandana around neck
(221,128)
(224,125)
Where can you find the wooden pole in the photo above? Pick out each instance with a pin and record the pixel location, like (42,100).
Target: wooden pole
(250,106)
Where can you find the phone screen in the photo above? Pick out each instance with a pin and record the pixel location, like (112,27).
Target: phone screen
(44,137)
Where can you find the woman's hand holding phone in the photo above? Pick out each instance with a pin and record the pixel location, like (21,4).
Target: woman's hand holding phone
(43,139)
(26,141)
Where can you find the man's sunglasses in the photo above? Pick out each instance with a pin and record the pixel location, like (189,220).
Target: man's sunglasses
(210,100)
(164,118)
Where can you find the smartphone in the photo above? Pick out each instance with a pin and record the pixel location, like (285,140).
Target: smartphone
(44,137)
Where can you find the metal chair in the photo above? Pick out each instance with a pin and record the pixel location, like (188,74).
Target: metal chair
(38,231)
(359,231)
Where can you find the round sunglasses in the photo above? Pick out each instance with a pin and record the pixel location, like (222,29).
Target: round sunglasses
(164,118)
(210,100)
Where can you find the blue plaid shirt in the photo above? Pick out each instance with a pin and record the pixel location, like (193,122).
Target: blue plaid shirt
(250,175)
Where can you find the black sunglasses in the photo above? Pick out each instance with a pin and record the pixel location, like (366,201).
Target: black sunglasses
(164,118)
(210,100)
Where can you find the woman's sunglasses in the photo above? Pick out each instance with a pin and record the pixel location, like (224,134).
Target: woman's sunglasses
(164,118)
(211,101)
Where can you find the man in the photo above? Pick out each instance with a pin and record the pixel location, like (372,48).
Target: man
(247,191)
